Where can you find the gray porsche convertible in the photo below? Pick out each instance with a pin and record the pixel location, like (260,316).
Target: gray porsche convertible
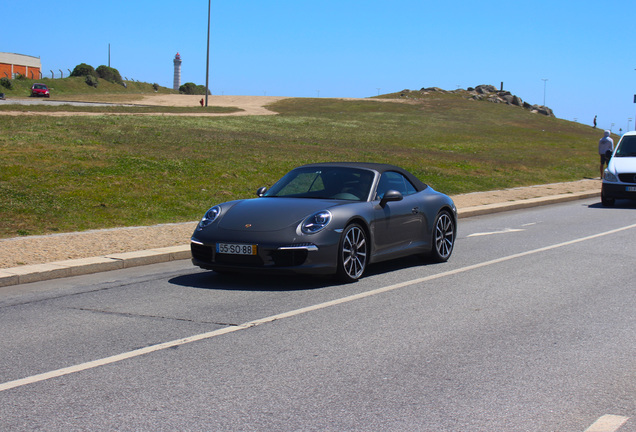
(328,218)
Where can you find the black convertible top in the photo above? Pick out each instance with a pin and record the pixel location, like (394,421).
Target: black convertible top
(378,167)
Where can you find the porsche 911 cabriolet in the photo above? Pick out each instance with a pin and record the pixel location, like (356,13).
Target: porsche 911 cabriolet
(328,218)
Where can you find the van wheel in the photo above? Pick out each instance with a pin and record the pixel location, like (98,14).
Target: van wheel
(607,201)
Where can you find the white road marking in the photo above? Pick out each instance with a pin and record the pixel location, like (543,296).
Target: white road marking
(153,348)
(607,423)
(506,231)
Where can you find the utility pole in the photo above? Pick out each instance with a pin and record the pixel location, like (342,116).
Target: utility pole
(207,62)
(544,85)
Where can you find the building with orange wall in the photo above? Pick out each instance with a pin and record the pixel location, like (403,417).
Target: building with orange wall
(13,64)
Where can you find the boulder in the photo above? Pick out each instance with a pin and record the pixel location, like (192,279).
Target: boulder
(485,89)
(432,89)
(543,110)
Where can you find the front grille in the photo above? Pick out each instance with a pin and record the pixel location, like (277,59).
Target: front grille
(245,260)
(266,258)
(289,258)
(202,252)
(627,177)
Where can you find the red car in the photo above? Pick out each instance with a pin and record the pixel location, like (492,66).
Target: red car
(40,90)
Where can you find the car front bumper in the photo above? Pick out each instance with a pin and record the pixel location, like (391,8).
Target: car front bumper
(618,190)
(274,257)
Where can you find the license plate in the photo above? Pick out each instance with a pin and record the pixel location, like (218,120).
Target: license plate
(236,249)
(631,188)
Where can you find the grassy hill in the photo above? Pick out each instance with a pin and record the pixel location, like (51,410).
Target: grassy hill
(60,174)
(62,88)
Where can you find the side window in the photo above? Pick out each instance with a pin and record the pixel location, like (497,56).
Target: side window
(391,180)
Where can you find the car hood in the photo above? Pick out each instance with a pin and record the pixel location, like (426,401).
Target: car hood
(620,165)
(271,214)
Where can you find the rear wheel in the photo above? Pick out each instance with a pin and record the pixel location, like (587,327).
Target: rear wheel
(352,253)
(443,237)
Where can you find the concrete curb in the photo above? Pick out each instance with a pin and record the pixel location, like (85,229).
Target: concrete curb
(76,267)
(523,204)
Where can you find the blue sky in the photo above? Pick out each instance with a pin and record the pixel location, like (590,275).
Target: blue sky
(350,48)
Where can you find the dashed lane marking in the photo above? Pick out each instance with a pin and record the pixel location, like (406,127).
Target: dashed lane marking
(505,231)
(607,423)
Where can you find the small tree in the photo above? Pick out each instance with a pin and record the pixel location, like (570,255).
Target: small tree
(83,69)
(6,82)
(109,74)
(192,89)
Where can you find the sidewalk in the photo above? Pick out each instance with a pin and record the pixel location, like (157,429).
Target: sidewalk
(39,258)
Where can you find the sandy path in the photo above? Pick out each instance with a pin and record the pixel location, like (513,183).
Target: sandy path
(250,105)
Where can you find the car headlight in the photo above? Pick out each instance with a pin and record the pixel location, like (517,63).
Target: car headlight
(210,216)
(316,222)
(609,176)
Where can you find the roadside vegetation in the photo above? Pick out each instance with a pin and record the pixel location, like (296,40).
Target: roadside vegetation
(73,173)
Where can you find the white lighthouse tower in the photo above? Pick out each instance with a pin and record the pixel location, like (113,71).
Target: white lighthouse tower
(177,72)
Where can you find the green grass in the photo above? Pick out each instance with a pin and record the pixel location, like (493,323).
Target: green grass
(60,174)
(62,88)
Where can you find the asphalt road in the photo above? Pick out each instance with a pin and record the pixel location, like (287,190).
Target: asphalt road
(530,327)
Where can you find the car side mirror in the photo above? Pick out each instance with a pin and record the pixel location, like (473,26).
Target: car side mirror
(391,195)
(261,191)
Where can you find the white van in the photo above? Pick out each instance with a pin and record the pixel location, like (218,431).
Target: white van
(619,179)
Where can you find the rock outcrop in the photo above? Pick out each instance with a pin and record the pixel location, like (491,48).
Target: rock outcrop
(489,93)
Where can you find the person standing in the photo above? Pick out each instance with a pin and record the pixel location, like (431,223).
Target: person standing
(605,149)
(594,122)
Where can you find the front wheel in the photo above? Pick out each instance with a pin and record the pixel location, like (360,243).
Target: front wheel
(352,253)
(443,237)
(606,201)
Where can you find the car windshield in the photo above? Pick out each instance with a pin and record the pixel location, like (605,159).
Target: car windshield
(627,147)
(40,86)
(342,183)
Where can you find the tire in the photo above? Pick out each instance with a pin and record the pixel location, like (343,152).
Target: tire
(443,237)
(353,253)
(606,201)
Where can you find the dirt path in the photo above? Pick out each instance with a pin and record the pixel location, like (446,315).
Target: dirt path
(250,105)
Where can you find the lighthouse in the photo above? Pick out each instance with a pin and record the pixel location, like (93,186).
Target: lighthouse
(177,72)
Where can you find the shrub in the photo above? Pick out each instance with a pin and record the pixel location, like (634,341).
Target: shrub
(83,69)
(91,80)
(6,82)
(109,74)
(192,89)
(155,86)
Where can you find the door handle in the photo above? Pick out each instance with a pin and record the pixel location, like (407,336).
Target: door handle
(415,210)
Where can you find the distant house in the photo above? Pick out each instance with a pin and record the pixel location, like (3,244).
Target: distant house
(13,64)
